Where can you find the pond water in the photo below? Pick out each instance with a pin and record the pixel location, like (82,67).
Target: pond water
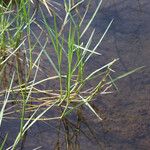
(126,113)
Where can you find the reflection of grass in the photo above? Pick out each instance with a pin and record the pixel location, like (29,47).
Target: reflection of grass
(17,49)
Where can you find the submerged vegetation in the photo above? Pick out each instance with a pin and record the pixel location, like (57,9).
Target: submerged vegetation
(43,63)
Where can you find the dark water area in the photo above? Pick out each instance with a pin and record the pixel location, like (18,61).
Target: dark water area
(126,113)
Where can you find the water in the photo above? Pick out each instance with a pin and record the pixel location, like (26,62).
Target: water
(126,113)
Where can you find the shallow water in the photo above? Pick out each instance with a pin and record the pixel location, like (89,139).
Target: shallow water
(126,114)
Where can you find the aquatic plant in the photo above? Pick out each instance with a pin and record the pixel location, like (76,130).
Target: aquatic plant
(23,50)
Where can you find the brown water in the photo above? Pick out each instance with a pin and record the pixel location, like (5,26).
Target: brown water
(126,114)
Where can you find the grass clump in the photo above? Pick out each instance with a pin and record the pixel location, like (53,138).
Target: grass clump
(22,53)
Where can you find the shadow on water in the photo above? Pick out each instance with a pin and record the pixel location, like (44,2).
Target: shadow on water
(125,114)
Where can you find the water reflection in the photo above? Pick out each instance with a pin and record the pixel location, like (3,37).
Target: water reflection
(71,133)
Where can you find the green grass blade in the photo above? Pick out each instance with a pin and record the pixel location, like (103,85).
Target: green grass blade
(124,75)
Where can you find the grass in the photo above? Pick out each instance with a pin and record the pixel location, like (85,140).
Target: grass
(62,45)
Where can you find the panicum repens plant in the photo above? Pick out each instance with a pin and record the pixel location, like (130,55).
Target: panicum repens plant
(42,43)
